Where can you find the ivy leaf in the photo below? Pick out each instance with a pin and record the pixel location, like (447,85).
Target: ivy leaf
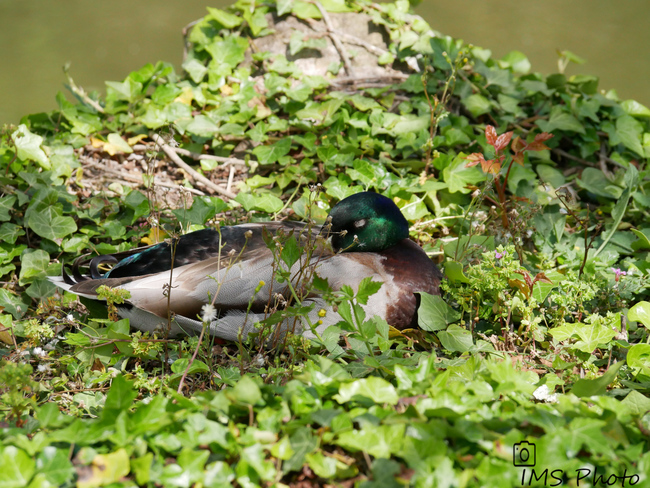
(16,305)
(227,53)
(180,365)
(202,126)
(137,202)
(228,20)
(363,103)
(640,312)
(629,131)
(304,10)
(320,113)
(411,123)
(638,358)
(107,468)
(456,339)
(256,20)
(584,387)
(10,232)
(377,389)
(434,313)
(298,42)
(367,174)
(290,251)
(300,93)
(53,463)
(28,146)
(33,265)
(635,109)
(642,243)
(272,153)
(264,202)
(50,223)
(302,442)
(637,402)
(367,288)
(564,332)
(113,145)
(17,467)
(593,335)
(380,441)
(458,176)
(454,271)
(594,180)
(283,6)
(560,119)
(6,205)
(337,6)
(246,391)
(477,104)
(129,90)
(120,396)
(195,69)
(203,209)
(517,61)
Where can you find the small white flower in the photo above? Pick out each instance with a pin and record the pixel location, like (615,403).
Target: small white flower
(38,351)
(208,313)
(43,368)
(543,394)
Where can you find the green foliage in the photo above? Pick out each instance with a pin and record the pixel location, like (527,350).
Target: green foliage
(545,247)
(255,432)
(17,389)
(112,296)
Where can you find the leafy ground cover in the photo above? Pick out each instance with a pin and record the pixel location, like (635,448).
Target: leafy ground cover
(530,190)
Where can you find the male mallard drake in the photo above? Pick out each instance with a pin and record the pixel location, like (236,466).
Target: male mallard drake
(369,239)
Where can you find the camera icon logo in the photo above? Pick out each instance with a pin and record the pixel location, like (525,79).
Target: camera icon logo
(523,454)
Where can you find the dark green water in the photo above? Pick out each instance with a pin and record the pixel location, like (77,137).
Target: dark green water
(105,40)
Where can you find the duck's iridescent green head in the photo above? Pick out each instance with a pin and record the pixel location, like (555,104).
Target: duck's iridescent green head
(374,219)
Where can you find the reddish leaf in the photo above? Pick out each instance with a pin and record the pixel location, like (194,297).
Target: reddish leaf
(538,143)
(517,144)
(544,136)
(527,278)
(492,166)
(491,135)
(519,158)
(474,159)
(541,277)
(521,286)
(502,141)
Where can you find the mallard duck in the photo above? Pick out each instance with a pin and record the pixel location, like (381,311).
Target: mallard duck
(232,269)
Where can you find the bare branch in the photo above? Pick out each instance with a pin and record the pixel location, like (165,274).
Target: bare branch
(198,177)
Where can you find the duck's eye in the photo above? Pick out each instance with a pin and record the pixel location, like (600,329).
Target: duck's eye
(359,223)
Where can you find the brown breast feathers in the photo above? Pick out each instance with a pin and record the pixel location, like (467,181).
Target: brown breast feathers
(412,272)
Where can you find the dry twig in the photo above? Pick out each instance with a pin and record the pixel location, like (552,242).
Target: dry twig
(198,177)
(335,38)
(196,156)
(134,177)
